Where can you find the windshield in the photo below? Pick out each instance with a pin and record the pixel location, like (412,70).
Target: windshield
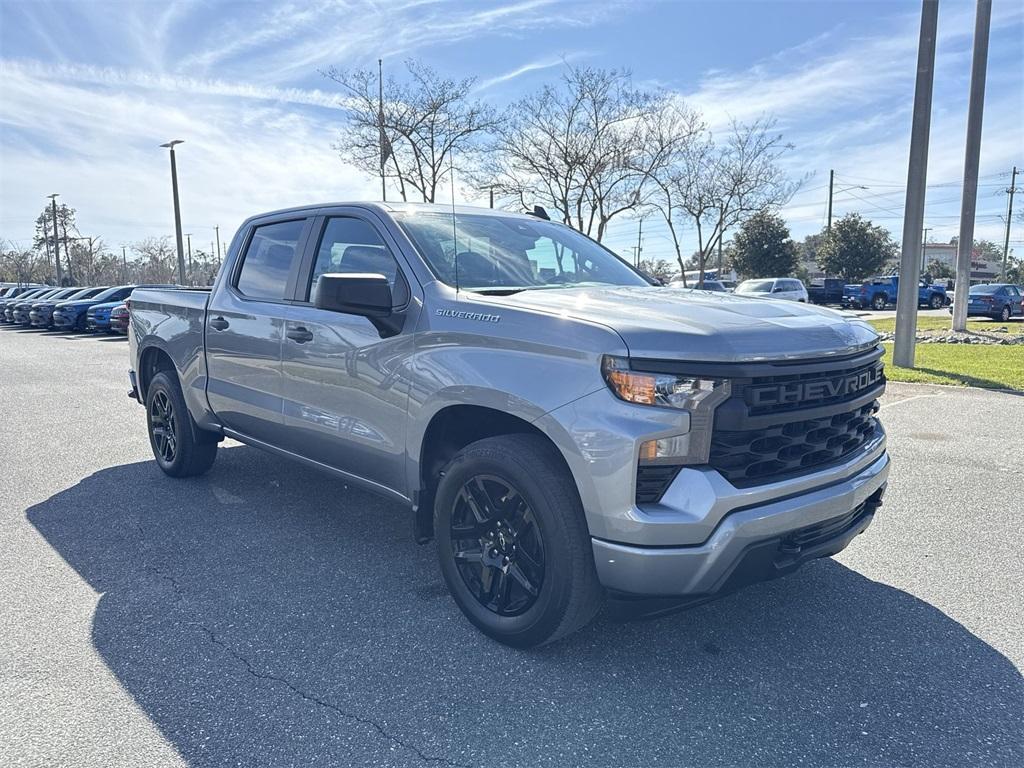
(495,254)
(755,286)
(108,294)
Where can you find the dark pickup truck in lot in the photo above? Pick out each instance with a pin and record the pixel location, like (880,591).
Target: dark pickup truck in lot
(826,291)
(562,427)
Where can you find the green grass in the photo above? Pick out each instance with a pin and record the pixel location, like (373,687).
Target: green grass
(991,366)
(929,323)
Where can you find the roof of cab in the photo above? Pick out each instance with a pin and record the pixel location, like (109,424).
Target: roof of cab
(388,208)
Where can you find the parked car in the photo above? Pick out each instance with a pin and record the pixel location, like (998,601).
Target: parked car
(41,314)
(70,315)
(21,311)
(10,305)
(561,426)
(707,285)
(788,288)
(119,319)
(879,292)
(20,296)
(828,290)
(1000,301)
(97,317)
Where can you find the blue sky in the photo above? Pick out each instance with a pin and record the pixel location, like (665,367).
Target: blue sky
(88,90)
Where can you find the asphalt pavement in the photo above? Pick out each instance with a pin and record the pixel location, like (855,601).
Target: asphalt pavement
(265,615)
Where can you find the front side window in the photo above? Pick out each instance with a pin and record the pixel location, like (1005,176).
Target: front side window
(498,254)
(352,246)
(268,260)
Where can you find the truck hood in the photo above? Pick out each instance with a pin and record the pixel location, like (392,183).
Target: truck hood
(679,323)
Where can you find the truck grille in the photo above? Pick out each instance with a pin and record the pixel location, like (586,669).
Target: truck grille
(783,424)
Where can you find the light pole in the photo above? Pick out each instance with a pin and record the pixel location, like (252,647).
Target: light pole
(124,263)
(177,209)
(56,242)
(188,239)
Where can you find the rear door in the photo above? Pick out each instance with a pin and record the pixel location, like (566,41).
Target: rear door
(245,324)
(345,387)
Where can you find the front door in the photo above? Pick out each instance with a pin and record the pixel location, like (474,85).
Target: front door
(245,325)
(345,387)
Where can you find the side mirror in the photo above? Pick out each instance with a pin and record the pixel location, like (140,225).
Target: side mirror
(778,289)
(367,295)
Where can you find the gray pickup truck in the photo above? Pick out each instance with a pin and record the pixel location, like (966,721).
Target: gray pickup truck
(562,427)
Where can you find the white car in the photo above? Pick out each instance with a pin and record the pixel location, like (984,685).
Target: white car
(774,288)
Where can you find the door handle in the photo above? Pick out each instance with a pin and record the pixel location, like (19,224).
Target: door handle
(300,335)
(219,323)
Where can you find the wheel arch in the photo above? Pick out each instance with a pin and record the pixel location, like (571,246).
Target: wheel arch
(450,429)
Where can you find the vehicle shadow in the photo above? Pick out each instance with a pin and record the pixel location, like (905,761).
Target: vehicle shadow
(267,615)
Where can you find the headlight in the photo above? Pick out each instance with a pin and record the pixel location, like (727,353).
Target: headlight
(665,389)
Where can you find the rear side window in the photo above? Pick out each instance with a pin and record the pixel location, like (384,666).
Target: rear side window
(268,260)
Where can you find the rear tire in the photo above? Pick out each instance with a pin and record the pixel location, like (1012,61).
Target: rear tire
(513,543)
(1005,314)
(879,302)
(181,448)
(935,302)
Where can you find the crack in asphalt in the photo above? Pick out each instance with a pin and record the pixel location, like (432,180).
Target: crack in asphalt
(328,705)
(177,589)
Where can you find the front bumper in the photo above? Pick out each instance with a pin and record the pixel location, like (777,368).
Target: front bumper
(94,323)
(750,544)
(62,320)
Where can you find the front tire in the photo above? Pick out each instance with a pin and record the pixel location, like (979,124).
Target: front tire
(935,302)
(180,448)
(878,303)
(513,543)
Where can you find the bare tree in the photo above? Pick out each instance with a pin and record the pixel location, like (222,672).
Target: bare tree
(715,185)
(424,126)
(585,148)
(23,265)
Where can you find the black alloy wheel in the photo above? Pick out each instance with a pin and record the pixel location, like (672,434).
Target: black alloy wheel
(496,545)
(164,427)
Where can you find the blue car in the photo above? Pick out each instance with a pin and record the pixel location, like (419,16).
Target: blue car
(97,317)
(70,315)
(1000,301)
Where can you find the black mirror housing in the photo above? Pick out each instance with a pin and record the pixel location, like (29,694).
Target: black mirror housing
(365,294)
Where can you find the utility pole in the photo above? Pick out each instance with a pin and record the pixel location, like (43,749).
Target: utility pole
(124,263)
(917,176)
(188,238)
(46,240)
(1009,215)
(924,248)
(639,237)
(492,197)
(56,243)
(969,203)
(216,230)
(831,179)
(177,210)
